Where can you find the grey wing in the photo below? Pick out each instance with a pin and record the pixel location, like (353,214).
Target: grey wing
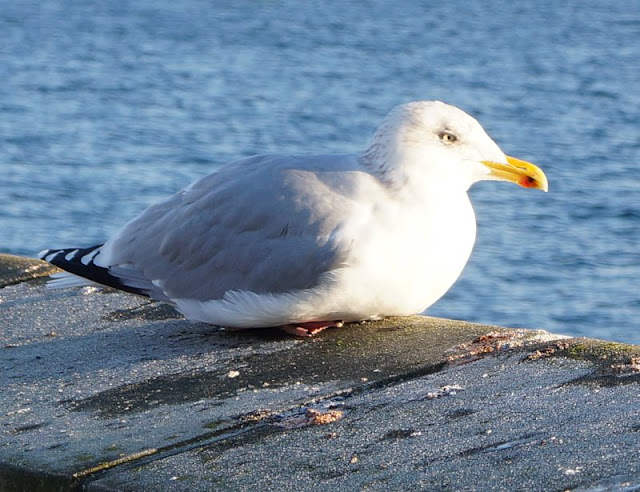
(259,225)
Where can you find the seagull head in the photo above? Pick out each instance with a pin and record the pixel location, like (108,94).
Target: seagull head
(430,143)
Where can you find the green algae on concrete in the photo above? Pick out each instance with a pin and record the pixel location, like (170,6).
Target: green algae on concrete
(602,351)
(16,269)
(609,358)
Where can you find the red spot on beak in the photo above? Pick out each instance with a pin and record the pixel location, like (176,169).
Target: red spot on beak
(527,182)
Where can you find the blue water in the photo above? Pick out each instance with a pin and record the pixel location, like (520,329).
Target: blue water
(106,107)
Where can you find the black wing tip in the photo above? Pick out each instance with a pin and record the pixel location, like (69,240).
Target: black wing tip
(58,257)
(79,261)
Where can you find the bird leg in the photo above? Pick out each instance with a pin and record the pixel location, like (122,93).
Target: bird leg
(310,328)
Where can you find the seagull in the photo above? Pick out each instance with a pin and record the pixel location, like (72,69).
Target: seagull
(306,242)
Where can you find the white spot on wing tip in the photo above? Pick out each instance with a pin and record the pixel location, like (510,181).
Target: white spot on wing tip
(86,259)
(69,256)
(50,256)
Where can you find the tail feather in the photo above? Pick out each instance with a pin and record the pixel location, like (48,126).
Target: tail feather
(63,280)
(80,262)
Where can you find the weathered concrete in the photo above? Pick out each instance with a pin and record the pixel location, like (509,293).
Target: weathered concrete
(16,269)
(106,391)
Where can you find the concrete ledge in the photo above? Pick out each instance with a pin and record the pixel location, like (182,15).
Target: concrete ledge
(106,391)
(16,269)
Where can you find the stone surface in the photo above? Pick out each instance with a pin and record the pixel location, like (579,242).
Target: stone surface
(16,269)
(106,391)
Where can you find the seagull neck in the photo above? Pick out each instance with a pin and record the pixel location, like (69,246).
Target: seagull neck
(375,161)
(409,180)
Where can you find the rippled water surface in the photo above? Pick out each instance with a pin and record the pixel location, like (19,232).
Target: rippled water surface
(106,107)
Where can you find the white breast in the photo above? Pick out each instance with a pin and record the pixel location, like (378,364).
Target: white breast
(410,259)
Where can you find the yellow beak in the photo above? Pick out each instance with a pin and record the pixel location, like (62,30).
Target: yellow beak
(520,172)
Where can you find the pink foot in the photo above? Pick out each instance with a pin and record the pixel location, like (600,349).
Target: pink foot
(310,328)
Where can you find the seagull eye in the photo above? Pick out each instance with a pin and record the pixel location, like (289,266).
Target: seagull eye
(447,137)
